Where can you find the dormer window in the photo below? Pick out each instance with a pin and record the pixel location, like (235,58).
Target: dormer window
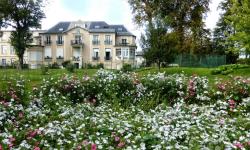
(60,29)
(97,27)
(119,29)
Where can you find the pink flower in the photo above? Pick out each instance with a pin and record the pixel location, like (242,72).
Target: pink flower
(231,104)
(1,147)
(12,139)
(239,145)
(121,144)
(36,148)
(117,138)
(85,142)
(93,147)
(20,114)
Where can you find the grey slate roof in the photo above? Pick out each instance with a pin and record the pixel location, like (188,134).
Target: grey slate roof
(91,26)
(57,28)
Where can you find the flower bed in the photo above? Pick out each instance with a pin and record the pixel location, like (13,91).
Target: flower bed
(123,111)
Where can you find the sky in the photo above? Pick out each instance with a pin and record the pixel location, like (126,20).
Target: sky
(111,11)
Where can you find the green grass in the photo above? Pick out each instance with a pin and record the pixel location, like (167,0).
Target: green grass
(196,71)
(35,77)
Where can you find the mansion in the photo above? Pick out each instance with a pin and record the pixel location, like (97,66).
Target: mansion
(79,42)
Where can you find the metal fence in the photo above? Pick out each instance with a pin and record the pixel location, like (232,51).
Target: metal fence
(189,60)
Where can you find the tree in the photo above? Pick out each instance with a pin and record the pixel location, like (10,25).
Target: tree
(21,15)
(239,19)
(159,44)
(222,44)
(185,17)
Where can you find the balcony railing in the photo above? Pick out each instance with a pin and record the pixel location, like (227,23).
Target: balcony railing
(76,42)
(95,58)
(47,42)
(59,57)
(48,57)
(108,42)
(59,42)
(126,44)
(76,58)
(96,42)
(107,58)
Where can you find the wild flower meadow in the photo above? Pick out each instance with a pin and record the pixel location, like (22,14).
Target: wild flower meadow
(124,111)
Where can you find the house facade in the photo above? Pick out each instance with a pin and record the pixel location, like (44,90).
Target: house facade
(80,42)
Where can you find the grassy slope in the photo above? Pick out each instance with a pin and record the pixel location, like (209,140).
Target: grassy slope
(35,76)
(198,71)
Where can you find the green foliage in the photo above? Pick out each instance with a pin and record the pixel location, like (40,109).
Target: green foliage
(227,69)
(244,61)
(45,70)
(127,68)
(65,63)
(70,67)
(54,66)
(184,18)
(98,66)
(21,15)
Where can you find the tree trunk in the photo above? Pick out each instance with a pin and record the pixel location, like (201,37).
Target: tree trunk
(20,65)
(159,66)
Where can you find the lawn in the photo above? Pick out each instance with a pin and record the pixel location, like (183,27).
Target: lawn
(35,76)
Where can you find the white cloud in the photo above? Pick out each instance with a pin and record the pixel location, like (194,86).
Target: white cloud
(214,14)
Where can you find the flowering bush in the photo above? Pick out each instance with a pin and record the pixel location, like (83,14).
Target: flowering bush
(107,112)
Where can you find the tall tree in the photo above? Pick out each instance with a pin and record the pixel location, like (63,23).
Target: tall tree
(239,19)
(222,44)
(159,44)
(22,15)
(186,19)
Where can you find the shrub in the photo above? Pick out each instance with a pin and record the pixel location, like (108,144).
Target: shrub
(70,67)
(54,66)
(65,63)
(127,68)
(45,70)
(244,61)
(100,66)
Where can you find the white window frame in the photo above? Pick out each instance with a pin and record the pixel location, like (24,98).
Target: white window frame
(59,52)
(125,52)
(96,52)
(48,52)
(4,49)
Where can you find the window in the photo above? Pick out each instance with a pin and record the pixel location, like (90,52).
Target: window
(59,53)
(12,50)
(108,40)
(120,29)
(97,27)
(47,53)
(35,56)
(124,41)
(95,53)
(96,39)
(59,39)
(107,54)
(118,53)
(4,49)
(48,40)
(77,53)
(12,60)
(3,62)
(124,52)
